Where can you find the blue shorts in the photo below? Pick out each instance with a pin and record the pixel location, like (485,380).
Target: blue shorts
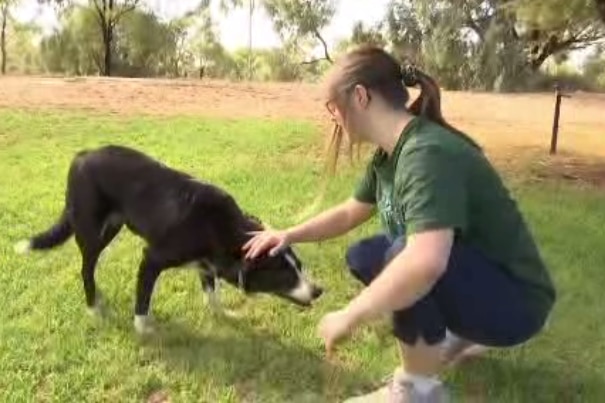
(475,299)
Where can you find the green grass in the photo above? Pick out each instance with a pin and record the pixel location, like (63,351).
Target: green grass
(50,350)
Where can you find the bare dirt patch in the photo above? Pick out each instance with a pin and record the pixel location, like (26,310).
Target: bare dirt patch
(506,125)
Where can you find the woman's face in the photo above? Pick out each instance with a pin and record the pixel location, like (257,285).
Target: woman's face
(350,112)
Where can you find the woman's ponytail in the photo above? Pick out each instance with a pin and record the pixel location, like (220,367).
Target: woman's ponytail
(428,103)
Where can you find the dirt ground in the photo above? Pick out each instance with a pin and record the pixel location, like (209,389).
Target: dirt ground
(508,126)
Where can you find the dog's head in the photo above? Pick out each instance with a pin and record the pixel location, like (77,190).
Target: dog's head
(281,275)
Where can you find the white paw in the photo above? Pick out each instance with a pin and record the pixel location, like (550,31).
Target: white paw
(143,325)
(94,311)
(228,313)
(98,310)
(219,311)
(22,247)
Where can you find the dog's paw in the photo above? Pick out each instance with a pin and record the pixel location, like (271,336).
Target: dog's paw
(143,325)
(218,311)
(22,247)
(230,314)
(95,311)
(98,310)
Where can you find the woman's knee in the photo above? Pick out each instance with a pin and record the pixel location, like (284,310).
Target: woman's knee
(422,321)
(365,258)
(396,246)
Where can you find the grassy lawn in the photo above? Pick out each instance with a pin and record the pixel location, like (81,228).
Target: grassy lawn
(50,350)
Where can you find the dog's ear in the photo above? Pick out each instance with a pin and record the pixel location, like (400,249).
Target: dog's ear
(258,221)
(255,220)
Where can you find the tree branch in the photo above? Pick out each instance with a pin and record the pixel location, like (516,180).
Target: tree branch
(317,35)
(472,24)
(312,61)
(126,9)
(101,14)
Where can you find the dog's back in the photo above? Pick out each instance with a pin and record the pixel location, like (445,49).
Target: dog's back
(115,185)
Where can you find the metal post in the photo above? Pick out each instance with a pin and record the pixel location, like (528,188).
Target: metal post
(555,125)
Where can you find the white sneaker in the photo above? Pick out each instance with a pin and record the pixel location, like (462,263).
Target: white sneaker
(402,389)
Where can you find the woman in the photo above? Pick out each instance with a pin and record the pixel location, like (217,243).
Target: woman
(456,255)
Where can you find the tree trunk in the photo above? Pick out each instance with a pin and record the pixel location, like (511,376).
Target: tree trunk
(251,4)
(107,39)
(601,9)
(4,16)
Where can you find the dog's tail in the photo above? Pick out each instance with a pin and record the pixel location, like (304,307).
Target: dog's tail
(62,229)
(56,235)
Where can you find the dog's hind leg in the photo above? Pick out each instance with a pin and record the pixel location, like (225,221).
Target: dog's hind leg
(89,262)
(91,240)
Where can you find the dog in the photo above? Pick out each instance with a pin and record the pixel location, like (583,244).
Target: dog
(185,222)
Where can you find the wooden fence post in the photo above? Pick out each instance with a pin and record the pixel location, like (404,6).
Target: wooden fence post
(555,125)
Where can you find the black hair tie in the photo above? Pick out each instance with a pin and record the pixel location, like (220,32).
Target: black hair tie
(409,75)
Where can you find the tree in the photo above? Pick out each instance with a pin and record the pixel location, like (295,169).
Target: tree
(296,20)
(4,17)
(108,15)
(228,5)
(489,43)
(278,64)
(76,47)
(594,67)
(600,4)
(22,49)
(554,26)
(143,46)
(362,35)
(208,53)
(404,31)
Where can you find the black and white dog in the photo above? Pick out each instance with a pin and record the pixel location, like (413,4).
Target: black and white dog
(185,222)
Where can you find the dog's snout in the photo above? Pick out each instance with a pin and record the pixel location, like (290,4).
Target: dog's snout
(317,292)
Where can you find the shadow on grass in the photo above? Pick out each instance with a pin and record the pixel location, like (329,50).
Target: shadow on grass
(259,365)
(491,379)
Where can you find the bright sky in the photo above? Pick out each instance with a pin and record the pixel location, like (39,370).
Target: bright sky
(233,27)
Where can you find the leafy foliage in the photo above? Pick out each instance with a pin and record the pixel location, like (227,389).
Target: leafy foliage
(489,44)
(480,44)
(362,35)
(297,20)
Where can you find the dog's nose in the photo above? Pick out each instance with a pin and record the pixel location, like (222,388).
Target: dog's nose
(317,291)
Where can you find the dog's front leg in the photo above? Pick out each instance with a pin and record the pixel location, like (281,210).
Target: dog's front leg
(210,286)
(149,271)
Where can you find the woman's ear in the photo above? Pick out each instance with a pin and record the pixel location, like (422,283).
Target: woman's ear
(361,96)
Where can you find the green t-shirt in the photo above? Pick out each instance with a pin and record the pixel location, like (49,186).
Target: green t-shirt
(437,179)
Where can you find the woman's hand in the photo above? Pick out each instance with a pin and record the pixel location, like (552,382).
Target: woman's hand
(334,327)
(272,240)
